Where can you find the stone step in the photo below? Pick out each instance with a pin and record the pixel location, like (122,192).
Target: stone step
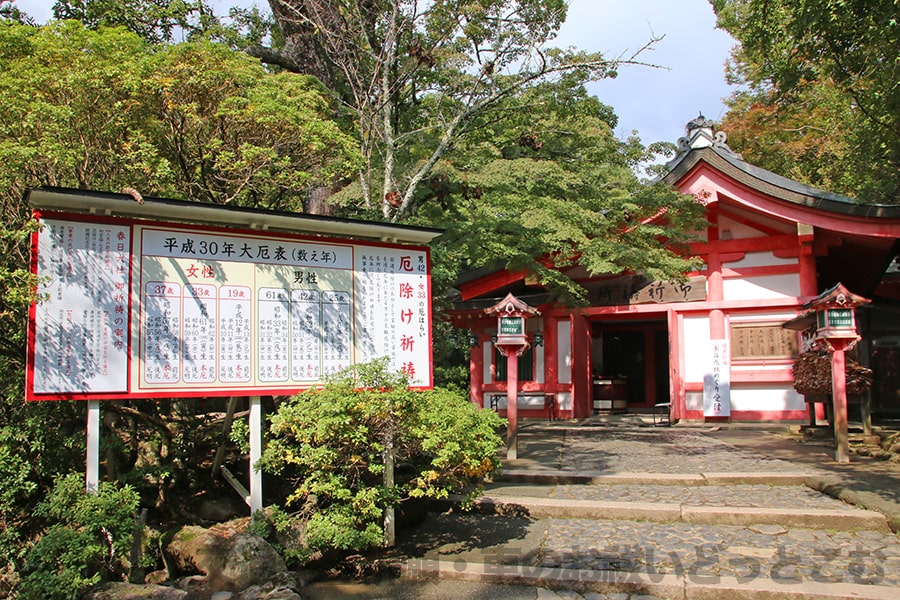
(664,560)
(740,495)
(620,497)
(548,477)
(578,584)
(844,519)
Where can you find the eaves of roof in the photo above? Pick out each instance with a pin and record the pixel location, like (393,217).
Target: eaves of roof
(776,185)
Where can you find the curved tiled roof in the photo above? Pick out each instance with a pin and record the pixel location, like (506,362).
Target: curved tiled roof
(720,157)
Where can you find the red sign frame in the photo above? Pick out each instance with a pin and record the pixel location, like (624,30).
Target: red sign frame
(380,290)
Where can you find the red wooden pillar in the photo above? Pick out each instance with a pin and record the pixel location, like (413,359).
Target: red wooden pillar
(476,370)
(581,367)
(551,358)
(512,402)
(807,260)
(839,394)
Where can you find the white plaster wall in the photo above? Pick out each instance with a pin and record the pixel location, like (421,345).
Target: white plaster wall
(763,317)
(564,351)
(760,259)
(763,287)
(524,401)
(564,401)
(756,398)
(696,349)
(487,353)
(759,364)
(693,401)
(771,397)
(731,229)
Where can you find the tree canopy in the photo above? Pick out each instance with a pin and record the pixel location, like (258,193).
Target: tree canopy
(105,109)
(822,97)
(454,114)
(415,78)
(543,184)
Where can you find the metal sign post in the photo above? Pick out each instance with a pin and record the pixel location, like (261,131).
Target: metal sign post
(255,454)
(92,460)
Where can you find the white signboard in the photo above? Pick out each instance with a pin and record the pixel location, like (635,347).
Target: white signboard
(80,336)
(131,309)
(717,381)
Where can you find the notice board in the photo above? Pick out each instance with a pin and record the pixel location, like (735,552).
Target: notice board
(130,308)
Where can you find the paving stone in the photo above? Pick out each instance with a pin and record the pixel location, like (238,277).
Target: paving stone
(665,549)
(760,555)
(768,529)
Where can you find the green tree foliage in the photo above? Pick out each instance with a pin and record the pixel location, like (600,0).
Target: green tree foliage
(9,10)
(104,109)
(236,134)
(156,21)
(544,185)
(823,81)
(415,77)
(87,540)
(470,121)
(332,442)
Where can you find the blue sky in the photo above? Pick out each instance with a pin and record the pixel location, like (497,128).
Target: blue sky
(657,102)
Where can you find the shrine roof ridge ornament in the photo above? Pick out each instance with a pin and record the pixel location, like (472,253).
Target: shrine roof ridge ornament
(699,134)
(125,205)
(837,295)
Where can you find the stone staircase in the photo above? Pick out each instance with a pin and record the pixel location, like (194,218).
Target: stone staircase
(656,514)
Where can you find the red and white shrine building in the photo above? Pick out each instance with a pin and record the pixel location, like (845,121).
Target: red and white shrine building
(713,347)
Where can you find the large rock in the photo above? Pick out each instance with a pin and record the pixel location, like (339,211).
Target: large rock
(230,560)
(131,591)
(283,586)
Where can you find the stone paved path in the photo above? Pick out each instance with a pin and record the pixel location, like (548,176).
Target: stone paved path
(521,546)
(707,551)
(699,552)
(513,555)
(740,495)
(607,450)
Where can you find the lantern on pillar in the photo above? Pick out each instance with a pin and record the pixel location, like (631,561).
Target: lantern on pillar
(836,329)
(512,341)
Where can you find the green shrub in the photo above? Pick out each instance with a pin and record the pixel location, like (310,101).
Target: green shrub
(87,540)
(331,445)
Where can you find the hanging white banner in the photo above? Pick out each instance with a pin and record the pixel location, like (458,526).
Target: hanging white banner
(717,381)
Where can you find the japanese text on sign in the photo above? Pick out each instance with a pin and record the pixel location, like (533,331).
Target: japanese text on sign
(211,313)
(81,328)
(717,382)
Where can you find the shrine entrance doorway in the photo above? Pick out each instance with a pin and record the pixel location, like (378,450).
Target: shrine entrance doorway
(629,365)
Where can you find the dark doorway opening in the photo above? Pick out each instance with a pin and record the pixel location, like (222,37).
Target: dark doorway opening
(634,355)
